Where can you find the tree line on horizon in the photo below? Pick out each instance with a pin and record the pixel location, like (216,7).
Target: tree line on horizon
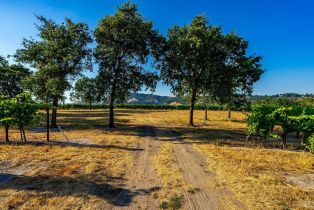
(196,60)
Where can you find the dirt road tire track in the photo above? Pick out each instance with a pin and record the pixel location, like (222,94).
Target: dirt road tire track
(142,181)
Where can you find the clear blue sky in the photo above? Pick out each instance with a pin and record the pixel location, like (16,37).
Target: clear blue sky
(280,31)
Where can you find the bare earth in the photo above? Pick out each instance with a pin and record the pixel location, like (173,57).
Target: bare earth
(143,180)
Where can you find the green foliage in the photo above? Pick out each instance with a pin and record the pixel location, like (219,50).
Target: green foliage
(304,124)
(121,51)
(25,110)
(60,53)
(291,119)
(201,59)
(310,144)
(175,202)
(6,111)
(125,42)
(261,121)
(85,90)
(12,77)
(19,111)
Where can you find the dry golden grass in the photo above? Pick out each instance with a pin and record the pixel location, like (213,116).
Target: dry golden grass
(171,176)
(86,175)
(60,177)
(83,174)
(258,176)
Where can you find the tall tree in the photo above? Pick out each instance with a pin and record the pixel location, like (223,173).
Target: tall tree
(125,43)
(59,55)
(85,90)
(237,75)
(12,77)
(209,62)
(193,51)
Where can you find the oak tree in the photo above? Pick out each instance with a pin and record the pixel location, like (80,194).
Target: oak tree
(12,78)
(85,90)
(201,60)
(126,42)
(59,54)
(192,52)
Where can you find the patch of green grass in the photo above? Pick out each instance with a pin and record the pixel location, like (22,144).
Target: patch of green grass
(175,202)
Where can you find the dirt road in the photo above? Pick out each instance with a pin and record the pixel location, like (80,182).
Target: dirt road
(143,181)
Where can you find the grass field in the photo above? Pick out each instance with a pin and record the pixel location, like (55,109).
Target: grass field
(94,167)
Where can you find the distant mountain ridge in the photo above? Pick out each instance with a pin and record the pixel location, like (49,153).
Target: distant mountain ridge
(143,98)
(284,95)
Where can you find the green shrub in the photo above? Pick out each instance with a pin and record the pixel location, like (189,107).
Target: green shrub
(175,202)
(293,118)
(310,144)
(261,122)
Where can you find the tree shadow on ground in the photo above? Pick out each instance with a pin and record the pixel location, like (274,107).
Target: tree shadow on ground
(60,186)
(205,135)
(70,144)
(222,137)
(186,135)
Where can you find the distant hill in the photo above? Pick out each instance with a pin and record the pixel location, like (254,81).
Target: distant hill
(284,95)
(142,98)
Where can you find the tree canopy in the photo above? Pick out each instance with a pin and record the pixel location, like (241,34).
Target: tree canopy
(18,111)
(125,43)
(85,90)
(59,55)
(12,78)
(201,59)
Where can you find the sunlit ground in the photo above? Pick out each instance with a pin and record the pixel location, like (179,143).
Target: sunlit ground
(89,170)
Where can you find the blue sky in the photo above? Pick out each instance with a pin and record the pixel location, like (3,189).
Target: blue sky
(280,31)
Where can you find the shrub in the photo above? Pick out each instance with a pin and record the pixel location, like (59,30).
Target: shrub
(310,144)
(261,122)
(175,202)
(19,111)
(291,119)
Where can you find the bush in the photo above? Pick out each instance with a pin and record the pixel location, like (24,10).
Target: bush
(291,119)
(19,111)
(310,144)
(260,122)
(175,202)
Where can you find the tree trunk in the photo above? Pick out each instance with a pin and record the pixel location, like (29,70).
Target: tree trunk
(193,99)
(248,138)
(54,113)
(21,134)
(111,107)
(284,139)
(272,128)
(90,105)
(7,134)
(297,135)
(24,136)
(265,142)
(303,140)
(229,113)
(48,127)
(205,113)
